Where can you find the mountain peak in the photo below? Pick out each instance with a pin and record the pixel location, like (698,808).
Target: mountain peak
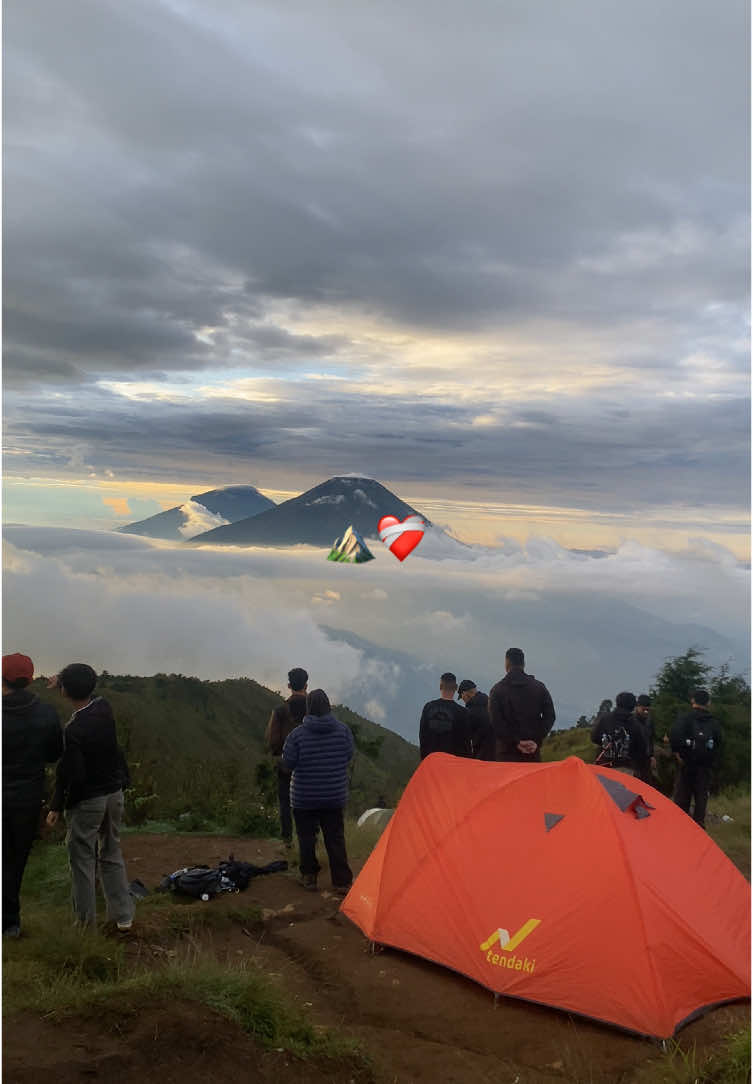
(315,517)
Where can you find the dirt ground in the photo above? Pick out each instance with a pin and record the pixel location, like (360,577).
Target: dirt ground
(418,1021)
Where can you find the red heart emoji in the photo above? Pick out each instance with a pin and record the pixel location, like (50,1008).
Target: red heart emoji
(400,539)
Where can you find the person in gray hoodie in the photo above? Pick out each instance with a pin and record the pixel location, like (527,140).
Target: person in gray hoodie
(317,753)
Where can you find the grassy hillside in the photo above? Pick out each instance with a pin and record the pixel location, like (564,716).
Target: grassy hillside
(196,750)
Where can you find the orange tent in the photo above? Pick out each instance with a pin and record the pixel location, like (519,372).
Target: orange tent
(566,884)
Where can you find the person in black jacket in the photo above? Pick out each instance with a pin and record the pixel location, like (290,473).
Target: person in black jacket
(477,706)
(284,718)
(521,711)
(89,785)
(645,761)
(32,737)
(621,737)
(444,725)
(696,740)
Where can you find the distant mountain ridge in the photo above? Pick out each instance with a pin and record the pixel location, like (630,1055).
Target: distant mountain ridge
(316,517)
(231,503)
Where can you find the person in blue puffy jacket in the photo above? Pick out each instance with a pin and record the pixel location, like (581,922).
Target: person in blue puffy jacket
(318,753)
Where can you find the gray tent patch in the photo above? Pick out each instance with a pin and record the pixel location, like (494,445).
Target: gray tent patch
(550,819)
(625,798)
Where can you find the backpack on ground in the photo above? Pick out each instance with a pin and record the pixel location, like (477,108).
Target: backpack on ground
(240,873)
(199,882)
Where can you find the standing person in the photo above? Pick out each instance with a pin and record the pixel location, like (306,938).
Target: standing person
(521,711)
(32,737)
(621,737)
(445,726)
(696,739)
(283,719)
(318,753)
(645,760)
(477,706)
(89,786)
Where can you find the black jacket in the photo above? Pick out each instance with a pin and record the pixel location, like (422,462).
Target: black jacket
(621,719)
(646,729)
(692,734)
(520,709)
(32,737)
(482,735)
(444,728)
(92,764)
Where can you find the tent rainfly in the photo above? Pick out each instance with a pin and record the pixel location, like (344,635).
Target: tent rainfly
(565,884)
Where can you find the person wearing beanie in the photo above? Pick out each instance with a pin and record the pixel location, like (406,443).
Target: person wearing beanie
(645,761)
(477,706)
(284,718)
(696,740)
(317,754)
(32,737)
(620,736)
(89,785)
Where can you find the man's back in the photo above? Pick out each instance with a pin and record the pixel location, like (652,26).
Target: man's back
(284,718)
(32,736)
(444,728)
(520,709)
(92,764)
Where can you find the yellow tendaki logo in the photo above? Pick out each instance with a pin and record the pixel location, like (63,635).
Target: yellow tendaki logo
(508,944)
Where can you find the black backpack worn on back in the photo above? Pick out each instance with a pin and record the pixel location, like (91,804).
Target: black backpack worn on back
(615,747)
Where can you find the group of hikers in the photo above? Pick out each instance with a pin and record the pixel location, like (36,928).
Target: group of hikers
(313,751)
(512,722)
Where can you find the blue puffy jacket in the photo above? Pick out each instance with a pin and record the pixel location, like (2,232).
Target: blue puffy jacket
(318,753)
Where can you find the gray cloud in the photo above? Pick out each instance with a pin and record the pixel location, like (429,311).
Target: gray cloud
(191,190)
(659,451)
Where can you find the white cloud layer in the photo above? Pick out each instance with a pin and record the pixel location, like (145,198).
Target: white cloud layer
(589,626)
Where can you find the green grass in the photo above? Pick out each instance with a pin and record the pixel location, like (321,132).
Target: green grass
(58,970)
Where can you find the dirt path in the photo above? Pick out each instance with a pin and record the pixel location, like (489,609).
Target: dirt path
(419,1021)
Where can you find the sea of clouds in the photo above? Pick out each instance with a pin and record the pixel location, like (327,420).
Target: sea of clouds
(375,636)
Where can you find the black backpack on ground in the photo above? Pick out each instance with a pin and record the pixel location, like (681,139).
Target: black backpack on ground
(240,873)
(199,882)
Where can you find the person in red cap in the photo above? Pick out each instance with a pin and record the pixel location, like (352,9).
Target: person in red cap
(32,737)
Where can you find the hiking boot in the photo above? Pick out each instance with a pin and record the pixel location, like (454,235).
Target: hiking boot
(124,927)
(342,890)
(308,880)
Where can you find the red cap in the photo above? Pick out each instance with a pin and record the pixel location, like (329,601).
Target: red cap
(17,666)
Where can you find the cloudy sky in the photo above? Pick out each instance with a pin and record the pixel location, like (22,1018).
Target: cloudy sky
(493,254)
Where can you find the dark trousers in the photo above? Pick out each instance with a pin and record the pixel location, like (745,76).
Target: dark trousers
(20,829)
(283,797)
(307,824)
(693,785)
